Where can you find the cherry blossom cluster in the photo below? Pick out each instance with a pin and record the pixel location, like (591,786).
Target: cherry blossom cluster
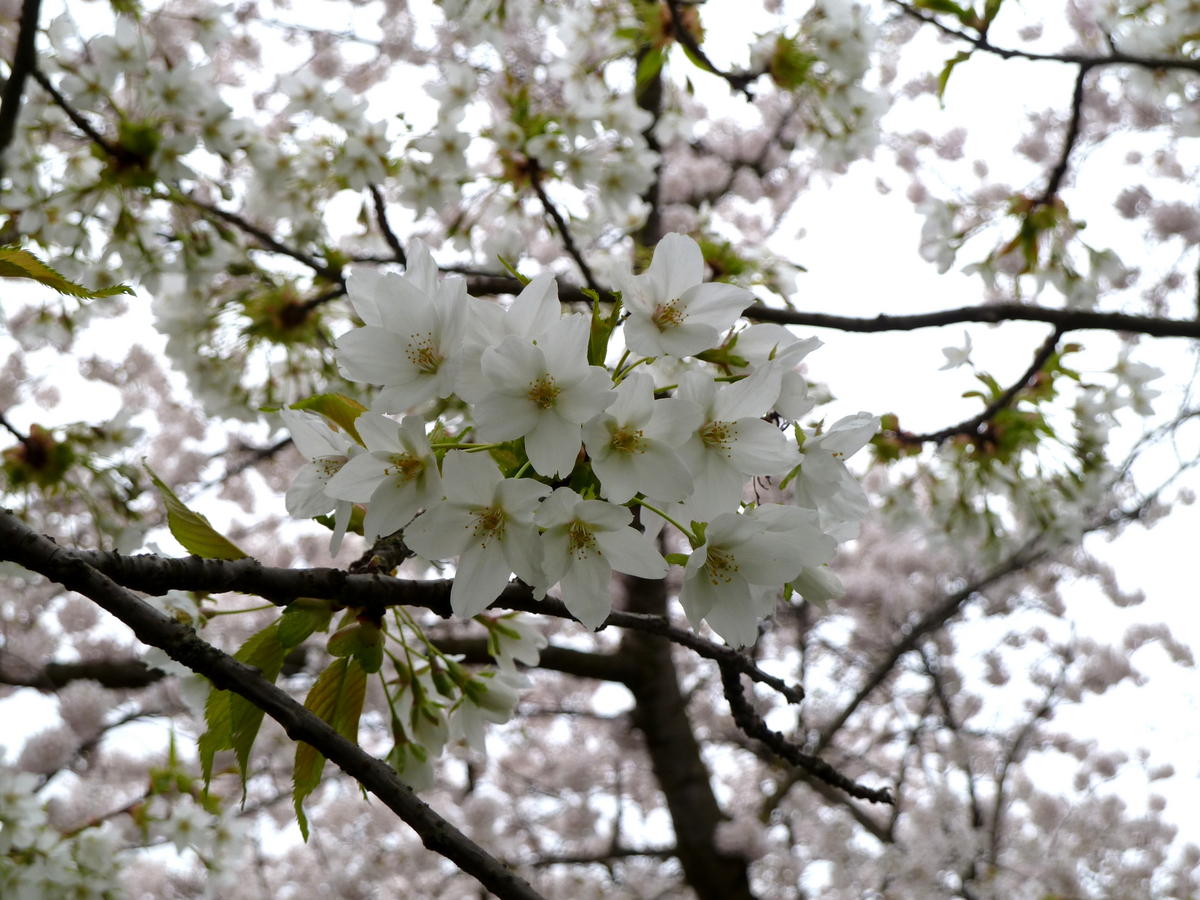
(520,451)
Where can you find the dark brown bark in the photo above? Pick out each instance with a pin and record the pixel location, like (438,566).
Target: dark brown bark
(660,713)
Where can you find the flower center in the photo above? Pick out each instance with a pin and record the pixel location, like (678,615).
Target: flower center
(720,566)
(422,354)
(328,466)
(628,440)
(489,524)
(717,435)
(667,315)
(544,392)
(404,466)
(581,543)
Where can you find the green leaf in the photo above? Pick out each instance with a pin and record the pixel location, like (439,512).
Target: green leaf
(193,530)
(649,66)
(337,408)
(265,652)
(362,640)
(337,698)
(945,6)
(944,77)
(217,736)
(17,263)
(303,616)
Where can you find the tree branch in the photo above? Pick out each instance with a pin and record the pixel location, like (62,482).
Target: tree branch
(157,575)
(600,666)
(23,62)
(738,81)
(753,725)
(933,619)
(564,231)
(1060,168)
(971,426)
(1065,319)
(22,545)
(980,42)
(385,226)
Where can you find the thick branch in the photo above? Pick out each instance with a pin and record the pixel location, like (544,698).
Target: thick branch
(600,666)
(157,575)
(22,65)
(1065,319)
(109,673)
(660,714)
(21,545)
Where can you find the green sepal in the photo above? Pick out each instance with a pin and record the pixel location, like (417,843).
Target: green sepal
(193,530)
(343,411)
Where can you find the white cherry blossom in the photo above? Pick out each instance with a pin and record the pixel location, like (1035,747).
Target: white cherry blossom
(486,520)
(584,541)
(734,578)
(732,442)
(396,477)
(670,311)
(630,445)
(544,391)
(327,452)
(412,337)
(825,484)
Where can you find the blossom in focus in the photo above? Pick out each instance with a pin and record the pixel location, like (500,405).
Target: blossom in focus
(630,444)
(396,477)
(412,336)
(670,311)
(544,392)
(486,520)
(584,541)
(731,443)
(734,578)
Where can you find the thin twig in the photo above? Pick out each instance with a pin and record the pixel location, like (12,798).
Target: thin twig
(386,227)
(564,231)
(971,426)
(753,725)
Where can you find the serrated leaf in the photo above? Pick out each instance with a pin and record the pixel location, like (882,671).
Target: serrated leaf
(300,620)
(193,530)
(337,698)
(265,652)
(343,411)
(18,263)
(217,735)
